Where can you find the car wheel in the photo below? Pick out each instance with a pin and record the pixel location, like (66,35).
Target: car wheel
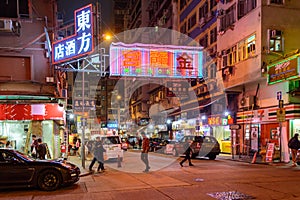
(49,180)
(212,157)
(174,152)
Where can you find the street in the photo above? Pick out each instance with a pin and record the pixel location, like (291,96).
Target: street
(208,179)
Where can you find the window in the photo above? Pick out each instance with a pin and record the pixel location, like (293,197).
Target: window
(203,10)
(251,45)
(204,41)
(212,70)
(14,9)
(183,28)
(275,41)
(245,6)
(228,19)
(213,35)
(277,1)
(213,3)
(192,21)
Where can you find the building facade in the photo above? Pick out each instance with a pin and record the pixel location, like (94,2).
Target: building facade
(30,94)
(255,39)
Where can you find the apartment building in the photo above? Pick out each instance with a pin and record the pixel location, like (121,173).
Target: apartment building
(257,57)
(30,93)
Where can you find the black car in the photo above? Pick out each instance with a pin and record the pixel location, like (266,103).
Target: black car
(19,170)
(202,146)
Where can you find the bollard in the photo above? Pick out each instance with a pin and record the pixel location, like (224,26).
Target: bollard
(119,161)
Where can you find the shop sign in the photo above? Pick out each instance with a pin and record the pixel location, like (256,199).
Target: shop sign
(270,151)
(51,111)
(152,60)
(79,44)
(283,70)
(112,124)
(177,88)
(214,121)
(80,104)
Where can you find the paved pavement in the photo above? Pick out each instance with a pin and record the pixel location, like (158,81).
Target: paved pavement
(133,166)
(206,180)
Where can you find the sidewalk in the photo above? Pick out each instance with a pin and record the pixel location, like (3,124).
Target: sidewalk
(247,159)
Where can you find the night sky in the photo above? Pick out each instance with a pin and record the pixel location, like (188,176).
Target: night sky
(67,7)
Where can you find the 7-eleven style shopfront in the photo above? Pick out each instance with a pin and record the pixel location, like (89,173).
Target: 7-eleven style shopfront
(260,127)
(19,121)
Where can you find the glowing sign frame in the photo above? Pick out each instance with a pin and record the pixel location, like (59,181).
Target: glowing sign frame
(151,60)
(79,44)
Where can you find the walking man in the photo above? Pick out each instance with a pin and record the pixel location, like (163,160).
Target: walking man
(294,145)
(145,150)
(41,149)
(188,150)
(98,155)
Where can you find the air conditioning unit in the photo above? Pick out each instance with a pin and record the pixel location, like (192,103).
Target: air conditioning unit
(247,101)
(6,25)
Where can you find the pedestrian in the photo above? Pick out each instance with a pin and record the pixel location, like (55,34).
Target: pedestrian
(145,150)
(188,150)
(33,146)
(294,145)
(98,155)
(8,145)
(78,147)
(41,150)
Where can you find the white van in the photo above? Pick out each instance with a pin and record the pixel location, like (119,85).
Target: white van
(112,145)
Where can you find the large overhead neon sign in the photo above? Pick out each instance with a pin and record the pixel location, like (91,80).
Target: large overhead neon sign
(150,60)
(79,44)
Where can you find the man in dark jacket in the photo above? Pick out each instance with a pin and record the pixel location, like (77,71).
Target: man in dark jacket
(294,145)
(98,155)
(41,150)
(188,150)
(145,150)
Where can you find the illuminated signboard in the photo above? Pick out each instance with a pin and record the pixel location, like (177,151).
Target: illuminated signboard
(284,70)
(79,44)
(150,60)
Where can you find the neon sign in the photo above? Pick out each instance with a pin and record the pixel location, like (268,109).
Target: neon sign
(79,44)
(151,60)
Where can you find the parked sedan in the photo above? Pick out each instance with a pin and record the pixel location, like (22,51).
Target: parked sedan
(19,170)
(202,146)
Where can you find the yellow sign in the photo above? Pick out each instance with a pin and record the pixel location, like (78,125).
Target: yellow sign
(280,115)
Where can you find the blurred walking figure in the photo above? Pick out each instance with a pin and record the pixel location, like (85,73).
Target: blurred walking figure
(98,155)
(294,145)
(41,150)
(187,153)
(145,150)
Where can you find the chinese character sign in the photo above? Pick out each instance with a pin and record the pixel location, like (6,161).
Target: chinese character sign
(79,44)
(150,60)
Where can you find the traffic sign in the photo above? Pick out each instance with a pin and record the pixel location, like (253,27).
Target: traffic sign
(279,95)
(280,115)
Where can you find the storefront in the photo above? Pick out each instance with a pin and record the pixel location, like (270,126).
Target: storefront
(220,130)
(260,127)
(19,121)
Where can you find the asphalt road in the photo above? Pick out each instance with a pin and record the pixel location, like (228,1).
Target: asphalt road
(208,179)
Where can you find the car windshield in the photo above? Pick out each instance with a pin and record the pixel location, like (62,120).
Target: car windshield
(26,157)
(111,140)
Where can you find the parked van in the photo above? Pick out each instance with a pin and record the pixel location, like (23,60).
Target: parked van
(113,146)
